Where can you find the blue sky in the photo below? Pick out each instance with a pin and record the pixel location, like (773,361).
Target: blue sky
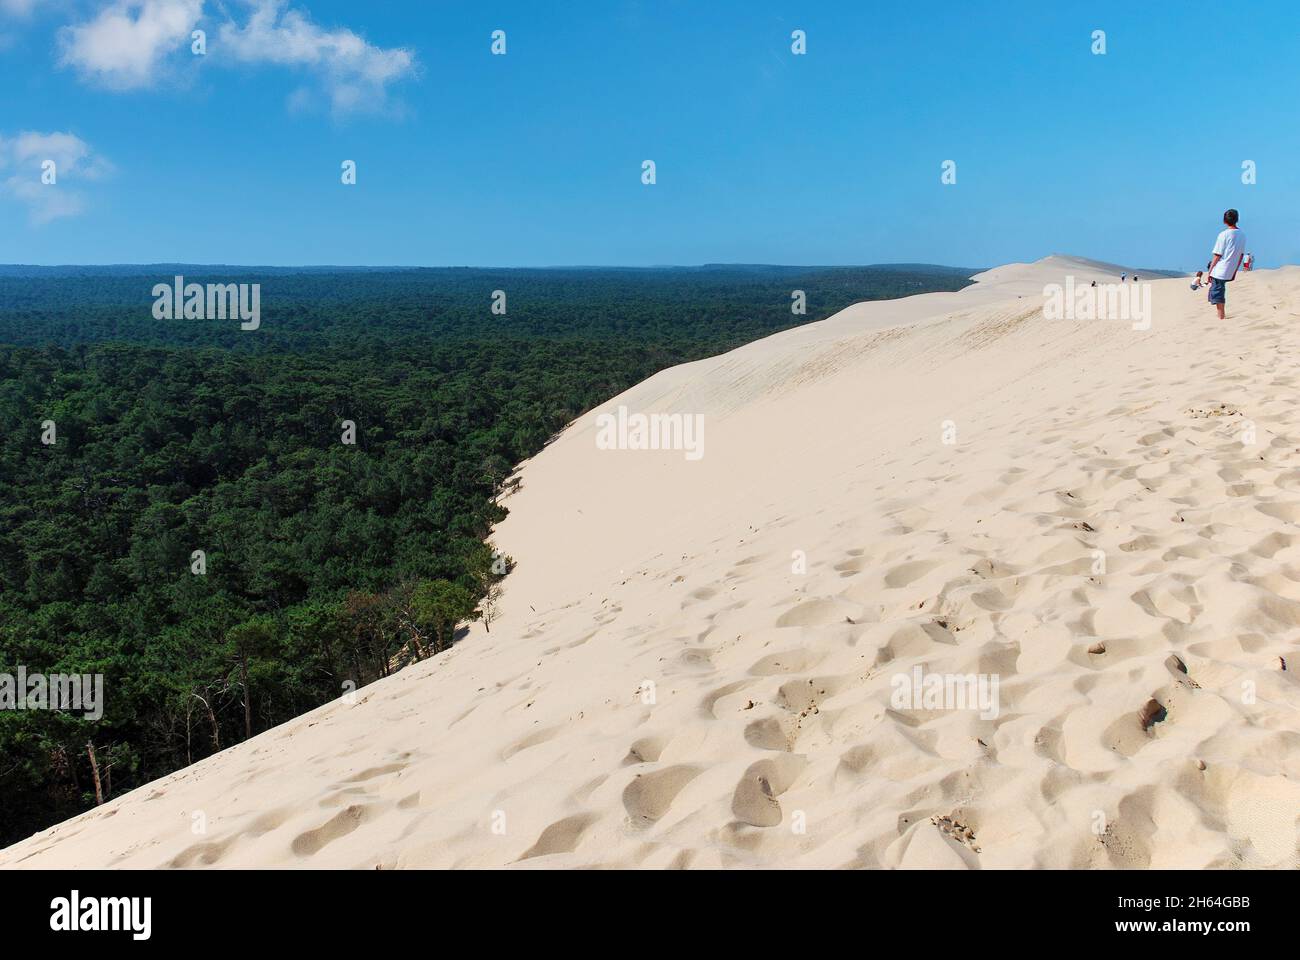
(534,158)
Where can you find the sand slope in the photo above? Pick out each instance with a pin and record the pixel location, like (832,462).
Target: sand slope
(1100,535)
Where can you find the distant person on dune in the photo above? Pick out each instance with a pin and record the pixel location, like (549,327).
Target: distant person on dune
(1228,251)
(1247,262)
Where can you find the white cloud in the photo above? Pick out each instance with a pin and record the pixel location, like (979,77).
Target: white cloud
(123,47)
(355,72)
(30,158)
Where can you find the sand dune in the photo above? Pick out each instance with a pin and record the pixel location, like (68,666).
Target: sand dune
(1112,536)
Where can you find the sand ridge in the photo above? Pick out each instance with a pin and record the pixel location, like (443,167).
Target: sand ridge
(693,661)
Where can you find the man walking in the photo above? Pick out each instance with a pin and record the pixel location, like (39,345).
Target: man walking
(1229,248)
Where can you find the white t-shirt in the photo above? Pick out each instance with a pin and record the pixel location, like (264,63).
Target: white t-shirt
(1230,247)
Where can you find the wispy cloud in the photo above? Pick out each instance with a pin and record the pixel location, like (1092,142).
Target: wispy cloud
(40,171)
(127,45)
(123,47)
(355,73)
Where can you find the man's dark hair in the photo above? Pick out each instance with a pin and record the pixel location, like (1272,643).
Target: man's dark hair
(1230,218)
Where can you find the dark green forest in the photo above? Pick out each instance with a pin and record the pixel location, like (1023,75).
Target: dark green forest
(198,531)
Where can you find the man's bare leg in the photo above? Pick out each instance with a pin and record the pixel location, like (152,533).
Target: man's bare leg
(1219,308)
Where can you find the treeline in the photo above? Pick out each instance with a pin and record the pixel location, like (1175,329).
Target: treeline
(234,534)
(716,307)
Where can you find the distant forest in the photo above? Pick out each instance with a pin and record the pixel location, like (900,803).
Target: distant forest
(199,531)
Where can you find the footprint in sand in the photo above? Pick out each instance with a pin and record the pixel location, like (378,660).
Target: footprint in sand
(338,826)
(532,740)
(650,795)
(906,574)
(206,853)
(819,613)
(647,749)
(755,799)
(768,733)
(791,661)
(560,837)
(709,705)
(373,772)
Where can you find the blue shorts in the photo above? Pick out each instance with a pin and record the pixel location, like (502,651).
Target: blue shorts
(1218,290)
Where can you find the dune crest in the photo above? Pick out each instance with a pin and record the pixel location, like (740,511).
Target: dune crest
(695,663)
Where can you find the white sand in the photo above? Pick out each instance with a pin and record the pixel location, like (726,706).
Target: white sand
(771,740)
